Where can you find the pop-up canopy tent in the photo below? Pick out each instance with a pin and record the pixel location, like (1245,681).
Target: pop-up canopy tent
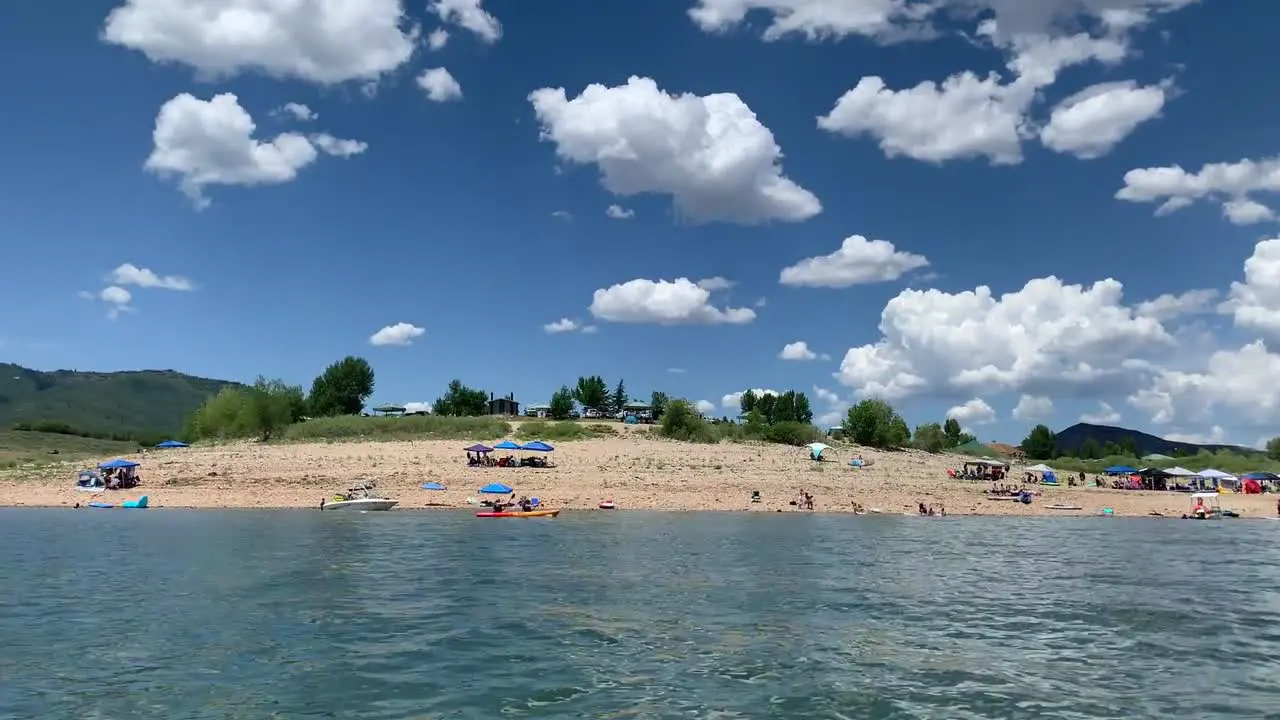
(170,444)
(1176,471)
(1120,470)
(479,448)
(1040,468)
(536,446)
(507,445)
(496,489)
(118,463)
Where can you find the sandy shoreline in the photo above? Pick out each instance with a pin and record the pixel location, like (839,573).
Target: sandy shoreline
(635,471)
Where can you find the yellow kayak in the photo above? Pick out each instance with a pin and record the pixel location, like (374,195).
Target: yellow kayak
(519,514)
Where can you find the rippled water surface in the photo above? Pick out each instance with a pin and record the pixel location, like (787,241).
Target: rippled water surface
(172,614)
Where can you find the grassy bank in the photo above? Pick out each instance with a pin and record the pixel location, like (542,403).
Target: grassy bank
(564,430)
(414,427)
(21,447)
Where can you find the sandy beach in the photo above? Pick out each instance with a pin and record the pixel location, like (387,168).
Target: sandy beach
(635,470)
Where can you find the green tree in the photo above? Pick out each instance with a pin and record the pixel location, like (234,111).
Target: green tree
(804,411)
(767,406)
(221,416)
(342,388)
(747,402)
(562,404)
(1273,448)
(1128,446)
(1040,443)
(269,407)
(1089,449)
(930,437)
(658,404)
(784,407)
(618,398)
(592,393)
(461,401)
(951,428)
(874,423)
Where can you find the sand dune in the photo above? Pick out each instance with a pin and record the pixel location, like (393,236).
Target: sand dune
(635,470)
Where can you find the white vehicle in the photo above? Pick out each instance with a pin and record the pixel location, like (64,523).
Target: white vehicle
(358,498)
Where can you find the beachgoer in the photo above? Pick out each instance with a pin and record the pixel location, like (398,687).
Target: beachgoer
(942,510)
(923,510)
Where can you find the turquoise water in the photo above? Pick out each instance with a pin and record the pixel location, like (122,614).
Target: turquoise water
(185,615)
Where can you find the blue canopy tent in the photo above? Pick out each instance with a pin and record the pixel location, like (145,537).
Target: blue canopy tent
(507,445)
(1120,470)
(537,446)
(496,489)
(432,486)
(118,463)
(168,444)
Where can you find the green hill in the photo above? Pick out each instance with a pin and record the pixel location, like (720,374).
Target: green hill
(143,402)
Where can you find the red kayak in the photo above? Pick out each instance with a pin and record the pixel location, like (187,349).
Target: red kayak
(519,514)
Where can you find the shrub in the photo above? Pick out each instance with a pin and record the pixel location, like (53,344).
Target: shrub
(413,427)
(931,437)
(681,422)
(874,423)
(569,430)
(792,433)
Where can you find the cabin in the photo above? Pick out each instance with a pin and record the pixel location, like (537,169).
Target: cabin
(503,405)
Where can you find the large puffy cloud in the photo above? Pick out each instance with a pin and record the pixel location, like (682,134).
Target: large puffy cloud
(439,85)
(1229,184)
(662,302)
(323,41)
(968,115)
(400,334)
(1047,338)
(1093,121)
(1255,303)
(1242,384)
(973,412)
(858,261)
(709,153)
(1033,407)
(211,142)
(1104,415)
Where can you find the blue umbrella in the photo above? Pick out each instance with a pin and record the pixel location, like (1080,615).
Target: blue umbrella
(506,445)
(118,463)
(537,446)
(496,489)
(172,444)
(432,486)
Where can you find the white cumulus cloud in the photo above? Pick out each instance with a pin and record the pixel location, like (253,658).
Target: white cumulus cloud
(315,40)
(1093,121)
(469,15)
(1229,184)
(399,334)
(973,412)
(298,112)
(439,85)
(1047,338)
(1169,306)
(563,325)
(662,302)
(130,274)
(709,153)
(437,39)
(1105,415)
(799,350)
(1255,303)
(617,212)
(715,283)
(1033,407)
(210,142)
(858,261)
(706,407)
(733,401)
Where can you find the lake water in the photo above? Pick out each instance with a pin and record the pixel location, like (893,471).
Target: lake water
(240,614)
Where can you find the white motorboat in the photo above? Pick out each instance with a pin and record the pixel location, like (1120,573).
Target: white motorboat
(358,498)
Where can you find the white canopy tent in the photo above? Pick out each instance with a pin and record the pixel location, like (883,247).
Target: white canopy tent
(1040,468)
(1181,472)
(1216,474)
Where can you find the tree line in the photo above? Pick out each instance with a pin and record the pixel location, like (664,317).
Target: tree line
(875,423)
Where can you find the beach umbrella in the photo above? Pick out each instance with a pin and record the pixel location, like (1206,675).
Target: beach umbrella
(171,444)
(496,489)
(432,486)
(117,463)
(537,446)
(478,448)
(507,445)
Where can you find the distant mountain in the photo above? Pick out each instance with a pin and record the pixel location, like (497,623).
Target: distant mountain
(145,401)
(1070,440)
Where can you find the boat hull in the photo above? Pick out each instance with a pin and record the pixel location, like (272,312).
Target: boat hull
(367,504)
(518,514)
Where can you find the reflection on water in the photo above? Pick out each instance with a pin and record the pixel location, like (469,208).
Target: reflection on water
(173,614)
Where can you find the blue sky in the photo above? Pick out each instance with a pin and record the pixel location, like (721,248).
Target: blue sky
(462,188)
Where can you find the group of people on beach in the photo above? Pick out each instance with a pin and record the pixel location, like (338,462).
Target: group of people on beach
(484,460)
(929,510)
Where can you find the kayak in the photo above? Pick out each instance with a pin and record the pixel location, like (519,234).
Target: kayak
(519,514)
